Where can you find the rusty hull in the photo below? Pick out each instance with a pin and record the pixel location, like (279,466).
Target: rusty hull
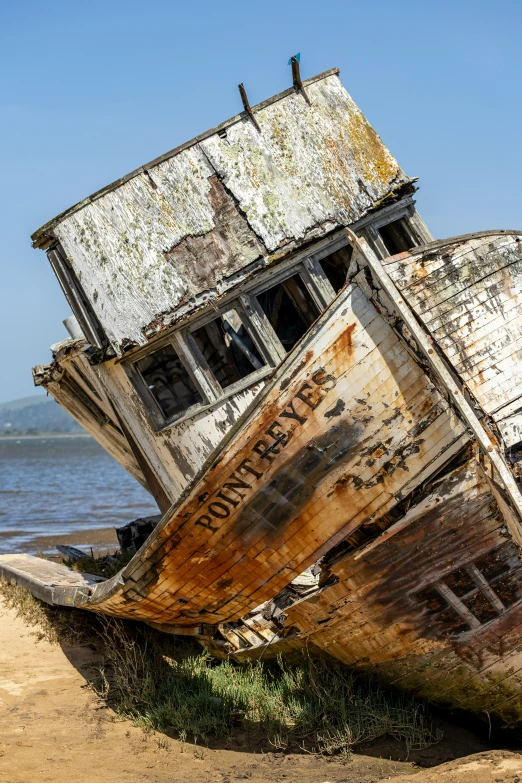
(356,507)
(348,423)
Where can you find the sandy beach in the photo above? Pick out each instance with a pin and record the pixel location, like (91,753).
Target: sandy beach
(100,539)
(53,728)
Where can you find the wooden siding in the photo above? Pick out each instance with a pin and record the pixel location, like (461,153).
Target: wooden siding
(178,452)
(103,400)
(237,198)
(70,379)
(467,293)
(380,614)
(349,420)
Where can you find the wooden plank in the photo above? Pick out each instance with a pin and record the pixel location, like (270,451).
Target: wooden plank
(484,358)
(454,347)
(455,395)
(436,539)
(456,604)
(511,429)
(468,269)
(483,305)
(413,268)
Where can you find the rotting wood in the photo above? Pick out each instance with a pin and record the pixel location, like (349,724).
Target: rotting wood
(356,489)
(117,243)
(334,351)
(442,372)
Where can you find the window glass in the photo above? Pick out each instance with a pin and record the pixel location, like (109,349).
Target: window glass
(228,348)
(395,237)
(290,309)
(168,381)
(335,267)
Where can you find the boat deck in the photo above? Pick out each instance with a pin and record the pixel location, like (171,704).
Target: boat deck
(54,583)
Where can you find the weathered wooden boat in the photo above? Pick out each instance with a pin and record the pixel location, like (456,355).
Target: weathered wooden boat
(325,403)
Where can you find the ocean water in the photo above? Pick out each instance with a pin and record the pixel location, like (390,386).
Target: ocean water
(52,486)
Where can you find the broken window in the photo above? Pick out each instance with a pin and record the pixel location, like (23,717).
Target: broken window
(290,309)
(335,267)
(168,381)
(477,593)
(396,237)
(228,348)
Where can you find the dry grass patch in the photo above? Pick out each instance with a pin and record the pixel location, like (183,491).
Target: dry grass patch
(314,705)
(170,684)
(57,625)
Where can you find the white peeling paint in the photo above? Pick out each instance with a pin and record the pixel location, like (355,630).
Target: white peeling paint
(309,167)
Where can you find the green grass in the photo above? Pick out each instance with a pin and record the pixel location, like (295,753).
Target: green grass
(315,705)
(170,684)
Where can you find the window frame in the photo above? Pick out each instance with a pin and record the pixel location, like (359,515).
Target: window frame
(195,353)
(152,407)
(316,271)
(305,263)
(482,587)
(412,221)
(195,364)
(298,268)
(78,302)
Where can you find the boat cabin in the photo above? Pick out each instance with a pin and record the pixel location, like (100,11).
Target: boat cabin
(192,277)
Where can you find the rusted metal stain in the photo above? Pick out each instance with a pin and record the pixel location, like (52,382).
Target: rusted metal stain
(265,509)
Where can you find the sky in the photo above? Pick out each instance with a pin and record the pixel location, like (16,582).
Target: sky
(90,91)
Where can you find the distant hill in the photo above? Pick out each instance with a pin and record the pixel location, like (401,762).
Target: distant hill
(36,415)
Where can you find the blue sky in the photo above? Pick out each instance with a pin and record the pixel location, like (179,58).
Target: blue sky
(92,90)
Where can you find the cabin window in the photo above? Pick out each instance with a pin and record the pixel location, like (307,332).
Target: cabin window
(396,237)
(228,348)
(290,309)
(168,381)
(335,267)
(205,361)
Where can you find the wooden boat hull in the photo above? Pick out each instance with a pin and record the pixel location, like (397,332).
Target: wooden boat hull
(349,424)
(432,606)
(362,453)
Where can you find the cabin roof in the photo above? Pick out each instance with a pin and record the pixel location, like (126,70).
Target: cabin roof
(205,215)
(43,237)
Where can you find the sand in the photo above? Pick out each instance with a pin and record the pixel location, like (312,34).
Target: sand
(53,728)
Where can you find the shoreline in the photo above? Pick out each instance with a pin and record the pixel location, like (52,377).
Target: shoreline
(100,539)
(96,537)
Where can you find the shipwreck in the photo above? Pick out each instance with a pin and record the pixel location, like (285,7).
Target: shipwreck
(325,403)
